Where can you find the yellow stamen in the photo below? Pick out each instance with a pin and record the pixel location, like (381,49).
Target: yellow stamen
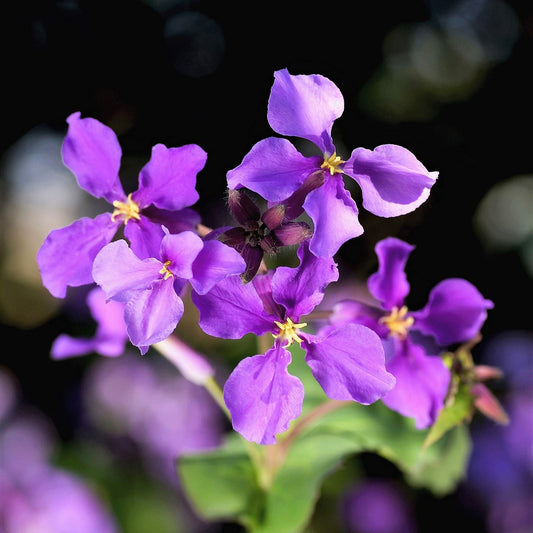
(167,273)
(289,331)
(397,322)
(332,162)
(127,209)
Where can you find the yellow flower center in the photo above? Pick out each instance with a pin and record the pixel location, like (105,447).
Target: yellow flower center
(127,209)
(397,322)
(165,271)
(332,162)
(289,331)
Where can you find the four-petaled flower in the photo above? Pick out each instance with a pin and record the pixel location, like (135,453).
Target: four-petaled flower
(455,313)
(166,190)
(393,182)
(150,288)
(262,397)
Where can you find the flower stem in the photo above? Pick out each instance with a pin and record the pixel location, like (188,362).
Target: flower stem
(276,455)
(215,391)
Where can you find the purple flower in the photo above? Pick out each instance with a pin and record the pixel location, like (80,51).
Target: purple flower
(454,313)
(36,496)
(166,189)
(150,288)
(55,501)
(393,182)
(261,395)
(110,336)
(148,403)
(378,506)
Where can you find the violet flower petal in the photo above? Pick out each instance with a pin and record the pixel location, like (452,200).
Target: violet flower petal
(92,152)
(305,106)
(145,237)
(273,168)
(263,286)
(354,312)
(152,315)
(334,215)
(168,180)
(421,384)
(455,312)
(67,254)
(389,284)
(110,336)
(121,273)
(65,346)
(231,309)
(301,289)
(392,180)
(349,364)
(262,396)
(181,250)
(215,262)
(294,204)
(185,219)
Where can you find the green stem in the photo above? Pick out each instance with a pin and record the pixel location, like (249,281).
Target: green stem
(181,356)
(215,391)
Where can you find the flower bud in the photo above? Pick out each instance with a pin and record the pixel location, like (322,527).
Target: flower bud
(243,208)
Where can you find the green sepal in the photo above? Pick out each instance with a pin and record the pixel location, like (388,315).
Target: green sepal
(458,410)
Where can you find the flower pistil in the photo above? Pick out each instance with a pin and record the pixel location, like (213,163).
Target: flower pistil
(289,331)
(165,271)
(397,322)
(127,209)
(331,163)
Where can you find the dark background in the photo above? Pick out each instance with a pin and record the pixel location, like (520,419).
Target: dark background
(201,71)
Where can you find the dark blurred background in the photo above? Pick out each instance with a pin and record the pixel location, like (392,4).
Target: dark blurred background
(449,80)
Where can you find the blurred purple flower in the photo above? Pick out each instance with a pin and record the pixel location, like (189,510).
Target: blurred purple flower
(159,410)
(500,471)
(392,180)
(166,190)
(54,502)
(377,506)
(110,336)
(260,394)
(35,495)
(455,312)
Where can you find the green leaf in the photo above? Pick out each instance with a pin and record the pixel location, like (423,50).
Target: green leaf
(291,499)
(442,466)
(457,412)
(377,429)
(221,484)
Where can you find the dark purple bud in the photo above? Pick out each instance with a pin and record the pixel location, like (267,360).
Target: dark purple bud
(274,216)
(243,209)
(269,244)
(234,237)
(291,233)
(252,255)
(294,204)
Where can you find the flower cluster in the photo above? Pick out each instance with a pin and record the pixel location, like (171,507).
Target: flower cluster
(364,354)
